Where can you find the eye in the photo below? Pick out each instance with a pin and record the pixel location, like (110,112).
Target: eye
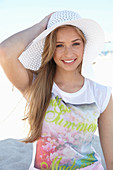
(75,44)
(59,45)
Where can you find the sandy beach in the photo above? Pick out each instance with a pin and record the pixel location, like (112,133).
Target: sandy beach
(15,155)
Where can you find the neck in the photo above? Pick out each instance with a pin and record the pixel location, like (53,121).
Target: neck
(69,81)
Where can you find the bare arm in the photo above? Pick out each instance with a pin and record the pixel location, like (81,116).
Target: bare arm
(10,50)
(106,134)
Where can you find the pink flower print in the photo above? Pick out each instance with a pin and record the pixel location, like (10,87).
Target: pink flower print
(61,141)
(65,154)
(45,147)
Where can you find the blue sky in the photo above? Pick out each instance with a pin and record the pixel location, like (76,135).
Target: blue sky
(16,15)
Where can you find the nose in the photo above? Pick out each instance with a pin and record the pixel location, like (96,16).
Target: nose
(68,51)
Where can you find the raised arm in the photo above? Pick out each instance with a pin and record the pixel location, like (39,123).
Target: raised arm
(106,134)
(10,50)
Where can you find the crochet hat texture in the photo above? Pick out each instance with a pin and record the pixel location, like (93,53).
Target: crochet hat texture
(31,57)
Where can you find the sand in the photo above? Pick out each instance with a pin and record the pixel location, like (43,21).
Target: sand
(15,155)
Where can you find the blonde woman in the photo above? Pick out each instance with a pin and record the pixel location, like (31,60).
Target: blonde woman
(50,63)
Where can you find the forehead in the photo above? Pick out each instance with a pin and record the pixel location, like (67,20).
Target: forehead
(67,31)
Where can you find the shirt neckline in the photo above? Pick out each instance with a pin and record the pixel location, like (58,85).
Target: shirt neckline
(57,89)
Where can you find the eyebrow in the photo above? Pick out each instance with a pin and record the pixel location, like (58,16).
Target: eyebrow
(76,39)
(71,41)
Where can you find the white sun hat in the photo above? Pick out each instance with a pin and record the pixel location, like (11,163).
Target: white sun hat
(31,57)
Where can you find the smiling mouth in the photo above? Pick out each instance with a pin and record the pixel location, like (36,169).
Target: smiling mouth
(69,61)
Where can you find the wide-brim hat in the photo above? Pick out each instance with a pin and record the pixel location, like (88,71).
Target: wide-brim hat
(31,57)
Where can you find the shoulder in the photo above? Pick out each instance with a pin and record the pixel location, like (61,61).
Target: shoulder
(98,88)
(101,93)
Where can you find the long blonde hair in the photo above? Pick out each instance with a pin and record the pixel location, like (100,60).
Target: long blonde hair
(39,92)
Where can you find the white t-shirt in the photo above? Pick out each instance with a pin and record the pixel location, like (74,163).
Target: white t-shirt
(68,128)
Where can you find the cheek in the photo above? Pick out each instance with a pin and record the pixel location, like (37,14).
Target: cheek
(57,54)
(59,51)
(81,51)
(56,57)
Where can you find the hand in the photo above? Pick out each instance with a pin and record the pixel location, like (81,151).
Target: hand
(43,23)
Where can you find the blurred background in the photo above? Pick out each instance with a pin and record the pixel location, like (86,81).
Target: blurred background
(17,15)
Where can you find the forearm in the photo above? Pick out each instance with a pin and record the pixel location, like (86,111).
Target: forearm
(107,146)
(109,166)
(15,45)
(12,47)
(106,138)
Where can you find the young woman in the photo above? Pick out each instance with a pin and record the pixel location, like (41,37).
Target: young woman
(50,63)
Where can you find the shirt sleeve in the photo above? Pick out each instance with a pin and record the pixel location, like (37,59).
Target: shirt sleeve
(102,96)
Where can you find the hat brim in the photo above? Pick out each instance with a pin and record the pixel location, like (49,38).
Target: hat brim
(31,57)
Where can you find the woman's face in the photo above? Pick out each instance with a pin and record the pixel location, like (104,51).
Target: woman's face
(69,49)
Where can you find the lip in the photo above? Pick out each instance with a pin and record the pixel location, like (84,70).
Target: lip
(69,61)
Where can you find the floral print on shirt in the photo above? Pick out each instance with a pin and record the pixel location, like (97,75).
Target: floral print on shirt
(66,137)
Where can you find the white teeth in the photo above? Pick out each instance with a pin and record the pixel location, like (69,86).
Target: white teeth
(69,61)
